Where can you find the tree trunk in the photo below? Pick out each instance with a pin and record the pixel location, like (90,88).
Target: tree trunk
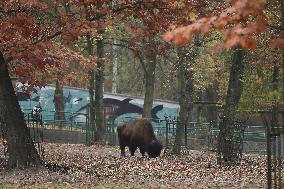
(59,102)
(234,92)
(91,129)
(114,68)
(99,105)
(99,84)
(274,119)
(149,88)
(21,149)
(282,36)
(183,115)
(114,60)
(186,91)
(185,78)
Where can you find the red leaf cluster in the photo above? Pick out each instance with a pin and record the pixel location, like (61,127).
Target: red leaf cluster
(29,37)
(239,22)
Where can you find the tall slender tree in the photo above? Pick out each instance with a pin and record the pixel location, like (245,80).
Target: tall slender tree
(282,37)
(146,22)
(92,129)
(234,92)
(99,84)
(186,59)
(114,68)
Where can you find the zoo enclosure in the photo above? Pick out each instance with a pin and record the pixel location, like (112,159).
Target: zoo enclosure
(255,139)
(198,135)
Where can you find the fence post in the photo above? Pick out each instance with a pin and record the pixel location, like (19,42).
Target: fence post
(87,126)
(113,132)
(167,132)
(185,135)
(268,151)
(194,135)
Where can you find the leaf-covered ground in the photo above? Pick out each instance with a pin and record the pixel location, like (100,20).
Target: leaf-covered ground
(80,166)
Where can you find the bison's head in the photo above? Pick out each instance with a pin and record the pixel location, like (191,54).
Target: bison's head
(154,149)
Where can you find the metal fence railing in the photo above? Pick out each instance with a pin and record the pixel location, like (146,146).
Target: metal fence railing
(73,121)
(197,135)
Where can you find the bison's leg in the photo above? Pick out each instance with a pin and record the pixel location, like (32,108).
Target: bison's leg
(142,151)
(122,149)
(132,149)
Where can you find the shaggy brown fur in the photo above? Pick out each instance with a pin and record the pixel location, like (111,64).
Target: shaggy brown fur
(139,134)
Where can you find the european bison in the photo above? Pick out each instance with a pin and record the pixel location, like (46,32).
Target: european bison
(139,134)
